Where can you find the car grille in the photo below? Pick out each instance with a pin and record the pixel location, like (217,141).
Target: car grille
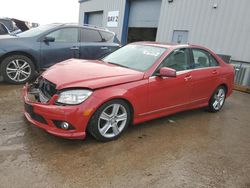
(33,115)
(45,90)
(41,90)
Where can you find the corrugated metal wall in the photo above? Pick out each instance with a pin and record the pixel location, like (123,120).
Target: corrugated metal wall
(225,29)
(105,6)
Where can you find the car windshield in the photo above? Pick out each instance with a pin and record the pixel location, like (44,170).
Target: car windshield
(134,56)
(36,31)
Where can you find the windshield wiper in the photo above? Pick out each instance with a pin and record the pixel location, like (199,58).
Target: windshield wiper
(118,65)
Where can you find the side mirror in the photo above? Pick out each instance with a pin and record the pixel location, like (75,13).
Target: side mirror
(167,72)
(49,39)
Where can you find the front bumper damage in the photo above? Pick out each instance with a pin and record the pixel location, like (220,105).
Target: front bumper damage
(46,114)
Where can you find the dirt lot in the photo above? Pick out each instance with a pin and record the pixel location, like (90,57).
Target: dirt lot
(190,149)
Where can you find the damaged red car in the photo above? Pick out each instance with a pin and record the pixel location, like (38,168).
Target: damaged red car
(136,83)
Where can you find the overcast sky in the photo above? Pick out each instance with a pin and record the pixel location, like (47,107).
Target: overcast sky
(41,11)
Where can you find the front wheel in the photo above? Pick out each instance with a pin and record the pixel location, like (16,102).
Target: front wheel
(217,100)
(110,120)
(17,69)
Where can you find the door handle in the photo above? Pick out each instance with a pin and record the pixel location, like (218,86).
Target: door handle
(74,48)
(104,48)
(187,78)
(214,72)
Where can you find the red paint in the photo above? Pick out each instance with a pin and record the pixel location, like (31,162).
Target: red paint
(167,72)
(150,96)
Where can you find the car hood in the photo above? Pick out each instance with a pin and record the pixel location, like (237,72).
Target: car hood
(92,74)
(7,36)
(12,43)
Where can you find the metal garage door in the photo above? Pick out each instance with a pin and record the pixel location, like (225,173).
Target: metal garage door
(95,18)
(144,13)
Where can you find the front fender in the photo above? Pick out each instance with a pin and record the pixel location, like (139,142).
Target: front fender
(2,52)
(135,93)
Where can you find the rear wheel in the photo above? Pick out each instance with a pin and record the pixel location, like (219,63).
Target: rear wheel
(17,69)
(217,100)
(110,120)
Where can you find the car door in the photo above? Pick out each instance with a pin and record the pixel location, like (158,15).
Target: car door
(171,93)
(205,75)
(92,45)
(64,46)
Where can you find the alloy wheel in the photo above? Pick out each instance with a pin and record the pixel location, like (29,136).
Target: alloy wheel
(112,120)
(219,99)
(18,70)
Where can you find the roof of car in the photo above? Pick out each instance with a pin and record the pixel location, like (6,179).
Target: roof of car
(168,45)
(85,26)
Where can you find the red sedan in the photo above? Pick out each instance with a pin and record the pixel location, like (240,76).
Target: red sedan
(136,83)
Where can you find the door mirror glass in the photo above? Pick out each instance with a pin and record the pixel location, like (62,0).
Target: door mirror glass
(49,39)
(167,72)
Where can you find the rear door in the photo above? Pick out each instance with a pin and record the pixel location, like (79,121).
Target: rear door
(205,75)
(65,46)
(93,45)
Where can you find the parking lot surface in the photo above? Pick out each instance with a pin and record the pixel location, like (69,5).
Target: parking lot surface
(189,149)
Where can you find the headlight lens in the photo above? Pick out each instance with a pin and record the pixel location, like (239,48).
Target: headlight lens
(73,96)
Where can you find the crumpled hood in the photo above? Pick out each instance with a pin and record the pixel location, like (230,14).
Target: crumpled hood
(92,74)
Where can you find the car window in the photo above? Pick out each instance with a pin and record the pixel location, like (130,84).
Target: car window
(106,35)
(36,31)
(178,60)
(65,35)
(213,61)
(8,24)
(90,35)
(3,30)
(136,57)
(203,59)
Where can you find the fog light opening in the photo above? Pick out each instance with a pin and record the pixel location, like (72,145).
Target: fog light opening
(63,125)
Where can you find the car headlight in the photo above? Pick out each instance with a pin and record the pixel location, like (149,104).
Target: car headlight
(73,97)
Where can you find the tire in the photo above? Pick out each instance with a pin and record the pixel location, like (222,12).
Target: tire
(110,120)
(17,69)
(217,100)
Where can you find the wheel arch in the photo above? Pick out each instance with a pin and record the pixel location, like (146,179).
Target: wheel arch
(127,101)
(21,53)
(210,107)
(131,107)
(223,85)
(219,85)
